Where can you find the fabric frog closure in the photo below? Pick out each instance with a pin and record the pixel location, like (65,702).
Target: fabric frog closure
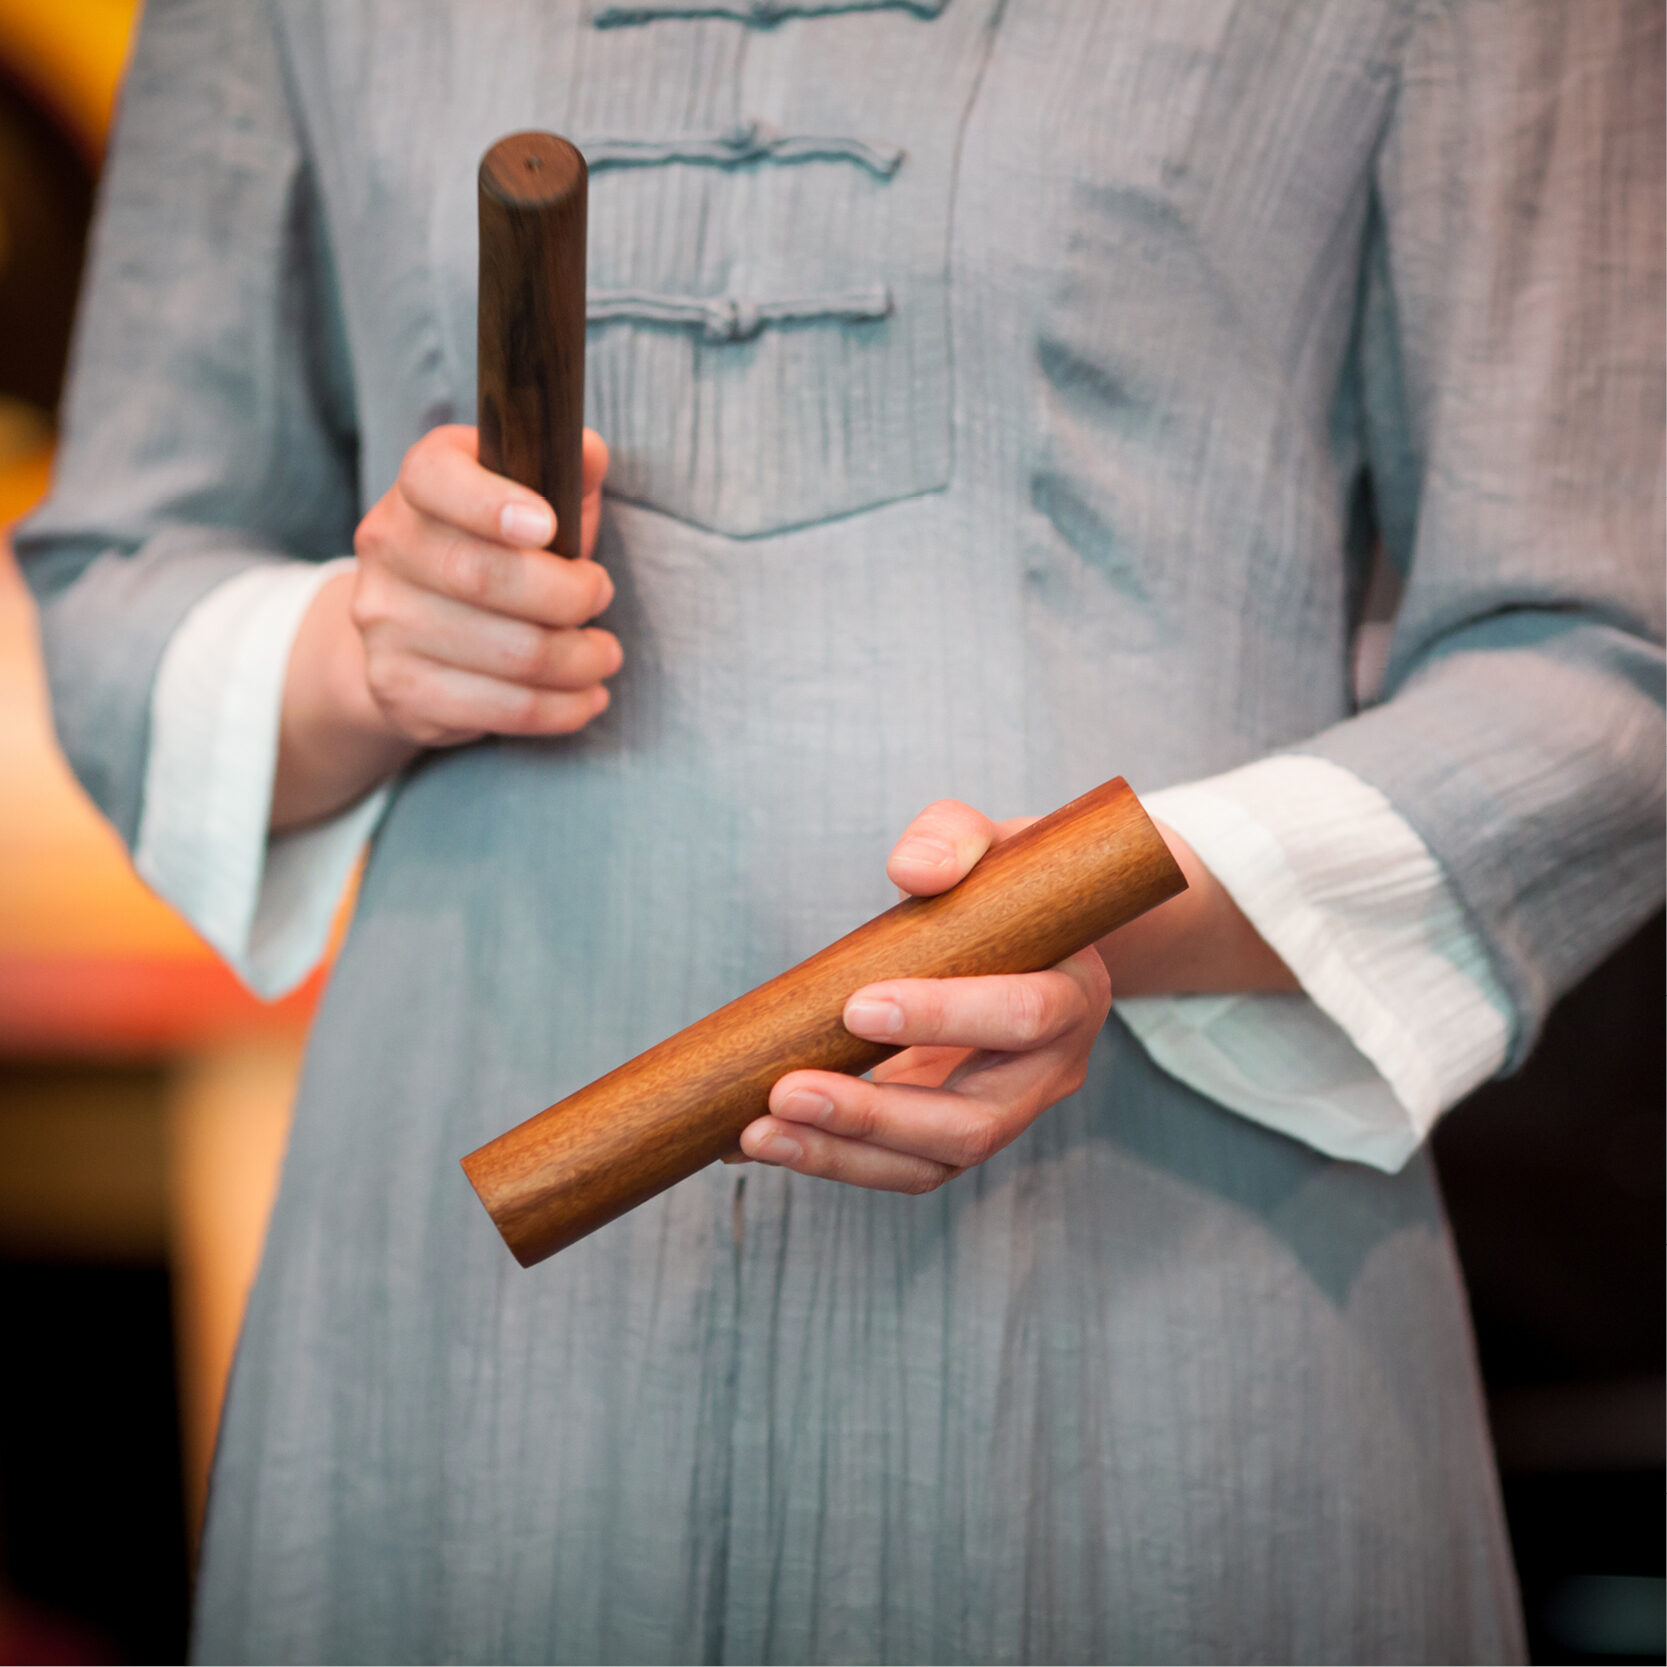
(778,281)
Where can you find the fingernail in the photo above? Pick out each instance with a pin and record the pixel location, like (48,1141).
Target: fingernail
(805,1105)
(873,1019)
(523,524)
(777,1148)
(930,851)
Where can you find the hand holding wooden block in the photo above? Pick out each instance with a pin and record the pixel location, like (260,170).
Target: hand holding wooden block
(1035,899)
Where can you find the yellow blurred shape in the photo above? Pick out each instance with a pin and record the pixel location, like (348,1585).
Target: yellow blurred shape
(70,54)
(25,456)
(65,884)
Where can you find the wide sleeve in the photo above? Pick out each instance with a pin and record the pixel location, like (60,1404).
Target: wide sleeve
(265,901)
(1399,1014)
(1512,365)
(208,426)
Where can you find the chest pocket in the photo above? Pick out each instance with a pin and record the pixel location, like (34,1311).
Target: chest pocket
(768,340)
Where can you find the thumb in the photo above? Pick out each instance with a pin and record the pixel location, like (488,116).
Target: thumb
(939,848)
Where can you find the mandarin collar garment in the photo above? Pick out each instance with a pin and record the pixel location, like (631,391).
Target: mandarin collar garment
(990,391)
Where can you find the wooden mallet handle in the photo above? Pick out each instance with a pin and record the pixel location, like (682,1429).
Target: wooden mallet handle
(1043,895)
(531,366)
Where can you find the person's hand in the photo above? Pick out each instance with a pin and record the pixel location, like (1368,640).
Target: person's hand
(456,623)
(983,1057)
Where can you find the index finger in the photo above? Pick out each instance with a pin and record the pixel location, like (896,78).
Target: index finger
(594,459)
(442,478)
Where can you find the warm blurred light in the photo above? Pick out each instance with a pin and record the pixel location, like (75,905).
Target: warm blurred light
(176,1161)
(66,888)
(90,961)
(25,456)
(70,54)
(228,1126)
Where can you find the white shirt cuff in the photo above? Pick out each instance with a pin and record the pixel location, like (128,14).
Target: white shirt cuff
(1401,1014)
(265,903)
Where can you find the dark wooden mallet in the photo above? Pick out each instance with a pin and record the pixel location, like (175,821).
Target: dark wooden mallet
(531,364)
(1053,889)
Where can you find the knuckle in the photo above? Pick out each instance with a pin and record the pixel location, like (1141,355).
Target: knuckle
(414,465)
(370,604)
(1028,1011)
(926,1012)
(370,536)
(391,681)
(430,445)
(465,570)
(924,1180)
(978,1142)
(862,1116)
(380,676)
(526,654)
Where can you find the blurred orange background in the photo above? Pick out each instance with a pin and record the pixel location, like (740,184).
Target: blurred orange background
(145,1097)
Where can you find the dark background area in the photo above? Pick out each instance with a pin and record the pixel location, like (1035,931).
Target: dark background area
(93,1529)
(1554,1181)
(46,195)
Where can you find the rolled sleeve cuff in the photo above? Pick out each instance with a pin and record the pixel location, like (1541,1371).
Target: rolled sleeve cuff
(264,903)
(1400,1013)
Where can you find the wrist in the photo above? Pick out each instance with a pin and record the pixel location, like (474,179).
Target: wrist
(334,744)
(1199,942)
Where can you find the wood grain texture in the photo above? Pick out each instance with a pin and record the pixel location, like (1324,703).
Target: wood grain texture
(1064,882)
(531,367)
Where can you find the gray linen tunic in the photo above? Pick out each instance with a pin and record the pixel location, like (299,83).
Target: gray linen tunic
(991,391)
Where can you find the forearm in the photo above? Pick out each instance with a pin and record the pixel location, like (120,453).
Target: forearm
(334,744)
